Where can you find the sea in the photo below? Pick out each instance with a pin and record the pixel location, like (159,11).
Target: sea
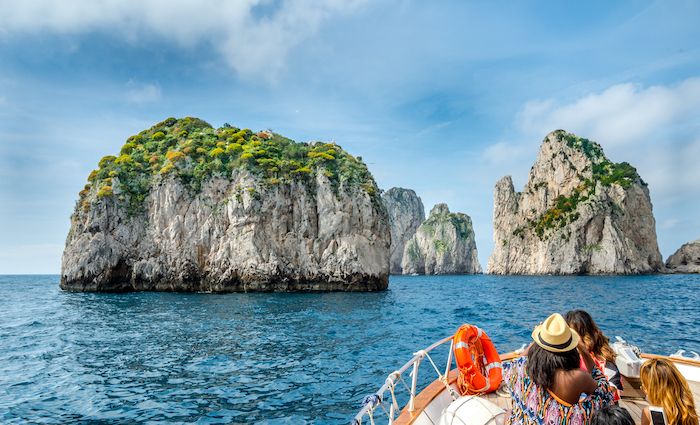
(286,358)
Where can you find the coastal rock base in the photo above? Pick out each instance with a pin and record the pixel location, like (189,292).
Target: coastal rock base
(686,259)
(406,213)
(235,235)
(443,244)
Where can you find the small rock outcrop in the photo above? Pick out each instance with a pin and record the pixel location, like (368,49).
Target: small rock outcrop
(443,244)
(686,259)
(406,213)
(579,213)
(186,207)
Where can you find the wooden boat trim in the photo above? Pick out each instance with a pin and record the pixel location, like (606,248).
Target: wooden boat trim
(681,360)
(425,397)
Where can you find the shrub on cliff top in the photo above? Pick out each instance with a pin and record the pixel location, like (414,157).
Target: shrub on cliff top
(603,171)
(202,152)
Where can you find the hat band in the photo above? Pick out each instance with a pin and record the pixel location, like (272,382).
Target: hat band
(555,346)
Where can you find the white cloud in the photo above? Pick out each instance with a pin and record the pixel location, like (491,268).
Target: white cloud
(620,115)
(503,152)
(654,128)
(142,93)
(254,37)
(669,223)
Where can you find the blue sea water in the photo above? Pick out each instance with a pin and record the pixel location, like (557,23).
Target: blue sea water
(284,358)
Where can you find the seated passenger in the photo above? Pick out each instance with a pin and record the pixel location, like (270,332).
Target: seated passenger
(598,346)
(666,388)
(548,386)
(612,415)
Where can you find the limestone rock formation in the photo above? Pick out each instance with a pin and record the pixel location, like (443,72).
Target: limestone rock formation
(187,207)
(443,244)
(579,213)
(406,213)
(686,259)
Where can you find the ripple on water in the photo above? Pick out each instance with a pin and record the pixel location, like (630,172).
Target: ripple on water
(284,358)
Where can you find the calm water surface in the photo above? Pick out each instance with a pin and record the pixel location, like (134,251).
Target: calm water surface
(284,358)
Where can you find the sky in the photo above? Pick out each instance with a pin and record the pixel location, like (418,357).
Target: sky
(443,97)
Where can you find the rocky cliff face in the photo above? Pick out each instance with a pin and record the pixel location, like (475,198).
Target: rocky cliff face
(686,259)
(443,244)
(579,213)
(267,214)
(406,213)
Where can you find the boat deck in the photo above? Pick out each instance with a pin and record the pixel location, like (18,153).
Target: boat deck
(632,399)
(431,401)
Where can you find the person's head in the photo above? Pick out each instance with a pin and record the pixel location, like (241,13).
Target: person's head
(612,415)
(593,338)
(554,349)
(666,387)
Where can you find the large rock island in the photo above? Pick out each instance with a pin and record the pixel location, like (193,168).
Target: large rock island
(186,207)
(579,213)
(443,244)
(686,259)
(406,213)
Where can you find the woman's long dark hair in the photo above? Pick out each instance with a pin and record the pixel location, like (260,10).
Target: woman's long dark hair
(593,338)
(542,364)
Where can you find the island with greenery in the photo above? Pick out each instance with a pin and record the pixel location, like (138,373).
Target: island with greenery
(188,207)
(579,213)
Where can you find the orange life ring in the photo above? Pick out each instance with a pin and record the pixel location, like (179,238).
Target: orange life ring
(477,360)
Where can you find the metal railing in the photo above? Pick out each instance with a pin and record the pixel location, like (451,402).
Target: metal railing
(376,400)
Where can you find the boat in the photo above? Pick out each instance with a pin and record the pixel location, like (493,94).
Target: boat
(426,405)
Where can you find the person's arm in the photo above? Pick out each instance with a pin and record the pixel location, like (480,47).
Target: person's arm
(646,416)
(586,356)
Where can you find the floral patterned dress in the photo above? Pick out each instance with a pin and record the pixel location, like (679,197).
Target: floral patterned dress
(533,405)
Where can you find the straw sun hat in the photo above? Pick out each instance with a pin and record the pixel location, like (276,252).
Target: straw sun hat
(555,335)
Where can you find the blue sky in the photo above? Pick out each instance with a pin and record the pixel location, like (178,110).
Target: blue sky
(442,97)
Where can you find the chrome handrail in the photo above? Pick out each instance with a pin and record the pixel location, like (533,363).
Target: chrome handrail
(391,380)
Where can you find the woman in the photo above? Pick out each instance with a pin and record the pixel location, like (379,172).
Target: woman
(598,345)
(547,385)
(665,387)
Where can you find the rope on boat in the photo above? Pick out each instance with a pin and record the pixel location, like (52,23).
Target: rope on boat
(371,401)
(502,391)
(442,378)
(391,382)
(374,400)
(405,384)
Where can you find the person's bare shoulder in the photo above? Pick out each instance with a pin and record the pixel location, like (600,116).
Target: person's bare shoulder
(584,381)
(571,384)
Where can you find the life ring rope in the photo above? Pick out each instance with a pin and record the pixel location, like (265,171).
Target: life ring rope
(478,362)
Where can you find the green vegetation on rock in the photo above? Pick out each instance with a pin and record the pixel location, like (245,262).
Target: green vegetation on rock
(440,246)
(441,215)
(462,225)
(563,212)
(603,171)
(193,151)
(412,250)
